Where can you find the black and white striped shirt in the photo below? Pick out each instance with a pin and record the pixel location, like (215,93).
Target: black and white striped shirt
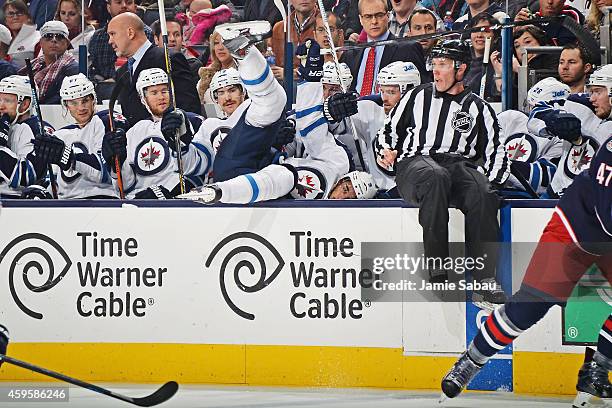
(463,124)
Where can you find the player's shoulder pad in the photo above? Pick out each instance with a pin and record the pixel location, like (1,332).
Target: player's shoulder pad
(195,120)
(376,98)
(33,123)
(68,127)
(583,99)
(119,121)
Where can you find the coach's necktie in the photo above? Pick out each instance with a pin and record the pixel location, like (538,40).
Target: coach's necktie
(368,75)
(131,62)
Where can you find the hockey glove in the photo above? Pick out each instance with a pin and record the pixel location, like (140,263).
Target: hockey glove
(311,67)
(5,125)
(285,134)
(153,193)
(114,144)
(4,339)
(340,106)
(52,149)
(564,125)
(173,121)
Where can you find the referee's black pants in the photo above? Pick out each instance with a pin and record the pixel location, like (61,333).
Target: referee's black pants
(433,183)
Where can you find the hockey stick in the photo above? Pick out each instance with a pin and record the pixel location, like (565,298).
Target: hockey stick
(162,394)
(164,32)
(111,122)
(334,54)
(40,121)
(288,63)
(485,65)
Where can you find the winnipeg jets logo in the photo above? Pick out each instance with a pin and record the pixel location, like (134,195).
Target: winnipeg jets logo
(217,136)
(152,155)
(579,157)
(609,146)
(520,147)
(462,122)
(311,184)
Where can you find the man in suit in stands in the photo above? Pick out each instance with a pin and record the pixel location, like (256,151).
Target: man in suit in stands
(128,39)
(365,63)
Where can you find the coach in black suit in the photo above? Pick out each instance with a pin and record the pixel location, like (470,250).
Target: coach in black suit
(128,39)
(374,18)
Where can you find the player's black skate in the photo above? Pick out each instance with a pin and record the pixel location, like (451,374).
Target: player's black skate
(4,340)
(464,370)
(490,296)
(238,37)
(592,382)
(209,194)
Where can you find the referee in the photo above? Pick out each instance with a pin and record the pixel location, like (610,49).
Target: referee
(445,143)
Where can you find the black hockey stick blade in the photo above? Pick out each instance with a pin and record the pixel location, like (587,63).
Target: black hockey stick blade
(164,393)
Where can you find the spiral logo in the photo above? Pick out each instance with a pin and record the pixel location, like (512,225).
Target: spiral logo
(245,257)
(32,260)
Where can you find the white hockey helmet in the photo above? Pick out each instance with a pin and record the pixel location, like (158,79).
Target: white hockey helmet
(363,184)
(19,86)
(76,86)
(223,78)
(548,89)
(404,74)
(602,77)
(330,74)
(150,77)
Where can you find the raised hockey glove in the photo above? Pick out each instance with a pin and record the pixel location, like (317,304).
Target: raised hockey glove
(340,106)
(285,134)
(153,193)
(564,125)
(5,126)
(173,121)
(52,149)
(114,144)
(311,67)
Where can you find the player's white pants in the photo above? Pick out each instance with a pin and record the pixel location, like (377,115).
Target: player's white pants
(269,183)
(267,96)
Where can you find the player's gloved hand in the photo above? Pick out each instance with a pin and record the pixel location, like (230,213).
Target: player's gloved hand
(52,149)
(114,144)
(154,193)
(5,125)
(173,121)
(311,66)
(285,134)
(4,339)
(340,106)
(564,125)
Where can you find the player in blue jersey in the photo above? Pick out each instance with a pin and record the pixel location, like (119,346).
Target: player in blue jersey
(578,235)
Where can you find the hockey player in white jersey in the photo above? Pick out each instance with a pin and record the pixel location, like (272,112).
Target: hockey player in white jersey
(582,124)
(19,167)
(311,176)
(147,153)
(533,159)
(75,150)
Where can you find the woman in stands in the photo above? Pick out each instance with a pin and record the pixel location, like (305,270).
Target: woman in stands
(595,18)
(221,59)
(69,12)
(25,37)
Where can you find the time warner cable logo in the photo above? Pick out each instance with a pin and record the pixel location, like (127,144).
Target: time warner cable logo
(242,256)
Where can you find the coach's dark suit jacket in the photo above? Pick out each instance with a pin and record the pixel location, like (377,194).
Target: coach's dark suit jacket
(184,84)
(408,51)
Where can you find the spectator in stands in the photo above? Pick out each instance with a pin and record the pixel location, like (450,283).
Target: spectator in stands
(175,42)
(221,59)
(475,7)
(400,14)
(55,64)
(556,34)
(127,37)
(7,68)
(25,37)
(423,21)
(456,8)
(202,22)
(262,10)
(365,63)
(473,78)
(103,57)
(69,12)
(336,32)
(42,11)
(575,64)
(303,18)
(352,25)
(595,18)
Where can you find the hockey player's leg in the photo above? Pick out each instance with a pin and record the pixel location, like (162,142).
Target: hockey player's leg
(500,329)
(4,340)
(593,378)
(423,182)
(274,181)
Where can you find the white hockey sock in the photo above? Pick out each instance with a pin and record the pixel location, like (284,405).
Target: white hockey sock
(273,181)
